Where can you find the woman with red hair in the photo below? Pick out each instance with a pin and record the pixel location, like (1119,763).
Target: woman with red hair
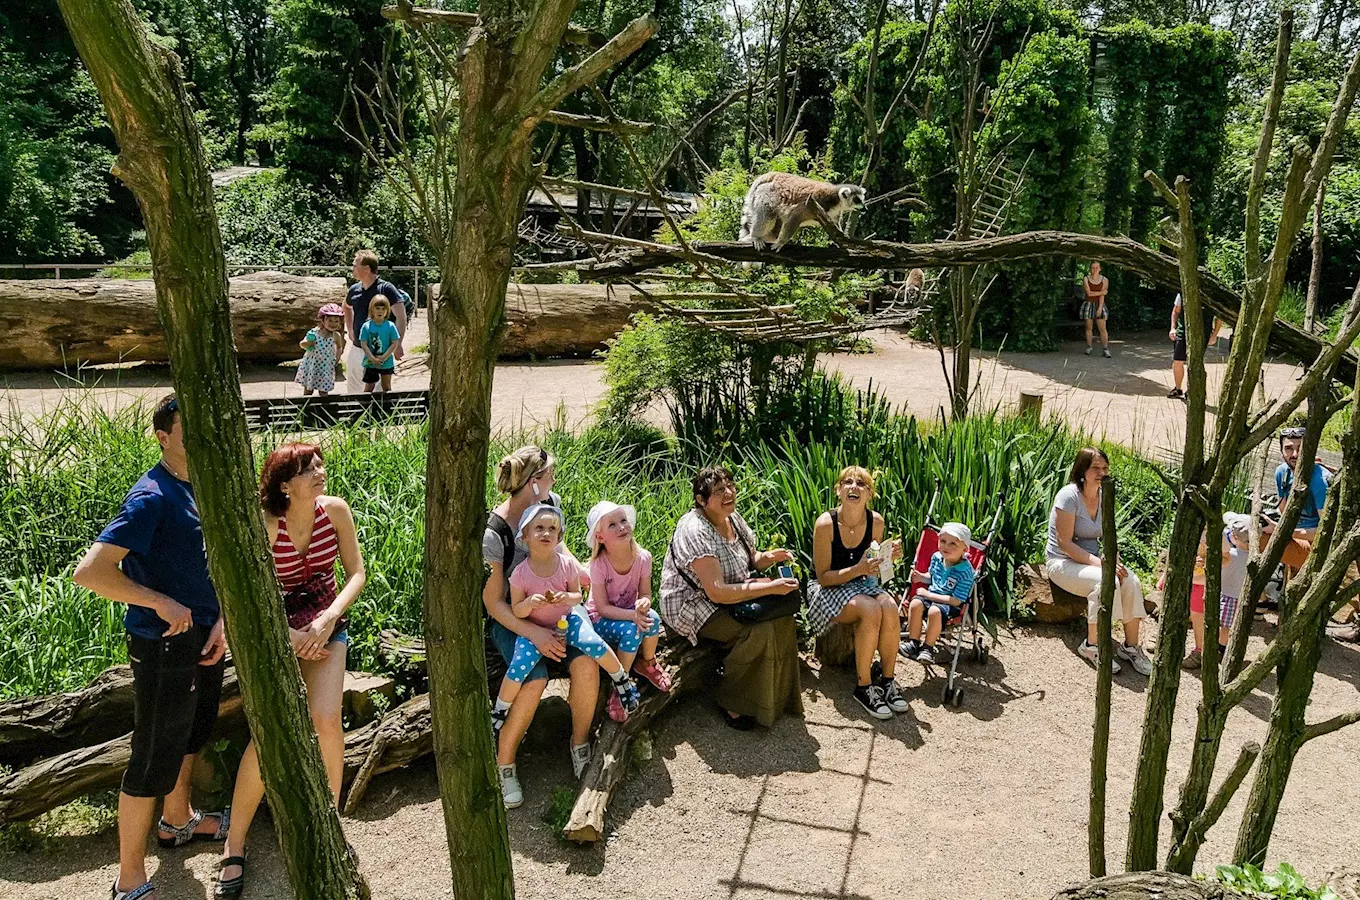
(307,531)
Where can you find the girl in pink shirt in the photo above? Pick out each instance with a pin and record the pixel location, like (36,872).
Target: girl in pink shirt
(546,588)
(620,604)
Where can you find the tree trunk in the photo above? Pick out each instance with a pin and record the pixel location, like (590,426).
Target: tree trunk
(1315,272)
(1145,810)
(95,321)
(1100,743)
(161,160)
(1283,739)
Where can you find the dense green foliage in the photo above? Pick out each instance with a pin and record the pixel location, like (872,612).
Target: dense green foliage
(63,477)
(1170,90)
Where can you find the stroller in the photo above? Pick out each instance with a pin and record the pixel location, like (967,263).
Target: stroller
(965,624)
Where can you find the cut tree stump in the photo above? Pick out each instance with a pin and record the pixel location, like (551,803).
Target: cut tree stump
(399,737)
(1052,605)
(94,321)
(1145,886)
(609,764)
(362,691)
(837,646)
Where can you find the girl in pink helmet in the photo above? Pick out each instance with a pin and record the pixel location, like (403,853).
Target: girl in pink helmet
(323,344)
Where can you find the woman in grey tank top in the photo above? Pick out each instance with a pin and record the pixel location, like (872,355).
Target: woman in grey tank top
(1074,562)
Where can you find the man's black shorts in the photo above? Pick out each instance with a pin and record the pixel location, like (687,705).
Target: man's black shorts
(1178,354)
(174,708)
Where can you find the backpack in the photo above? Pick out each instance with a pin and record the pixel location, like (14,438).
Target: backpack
(409,303)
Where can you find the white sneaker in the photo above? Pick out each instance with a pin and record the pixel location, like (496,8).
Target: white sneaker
(1088,652)
(511,792)
(1141,664)
(580,758)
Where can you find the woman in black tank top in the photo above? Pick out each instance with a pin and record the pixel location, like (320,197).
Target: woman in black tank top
(847,590)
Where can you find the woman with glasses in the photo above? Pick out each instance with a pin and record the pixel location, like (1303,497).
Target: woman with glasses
(706,576)
(308,531)
(847,590)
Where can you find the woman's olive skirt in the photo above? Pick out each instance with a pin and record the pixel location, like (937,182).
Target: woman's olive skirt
(760,668)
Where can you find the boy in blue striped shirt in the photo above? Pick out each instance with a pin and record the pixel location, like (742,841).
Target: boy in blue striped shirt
(950,584)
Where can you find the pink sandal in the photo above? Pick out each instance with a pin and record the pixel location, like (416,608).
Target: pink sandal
(651,670)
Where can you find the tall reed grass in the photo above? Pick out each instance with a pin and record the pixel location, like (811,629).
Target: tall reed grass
(63,476)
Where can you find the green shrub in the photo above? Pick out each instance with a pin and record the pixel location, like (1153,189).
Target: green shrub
(1285,883)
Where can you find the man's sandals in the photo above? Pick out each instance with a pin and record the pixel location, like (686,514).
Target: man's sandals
(187,832)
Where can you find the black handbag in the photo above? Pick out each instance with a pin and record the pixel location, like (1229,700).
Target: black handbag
(761,609)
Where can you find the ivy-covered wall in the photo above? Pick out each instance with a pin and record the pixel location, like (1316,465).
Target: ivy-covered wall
(1167,104)
(1160,102)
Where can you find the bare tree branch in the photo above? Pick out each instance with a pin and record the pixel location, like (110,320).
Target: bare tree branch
(619,47)
(1261,164)
(1335,723)
(403,11)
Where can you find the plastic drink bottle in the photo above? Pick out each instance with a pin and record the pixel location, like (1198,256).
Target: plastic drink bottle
(562,627)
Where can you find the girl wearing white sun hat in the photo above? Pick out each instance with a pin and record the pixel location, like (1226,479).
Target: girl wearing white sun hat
(620,601)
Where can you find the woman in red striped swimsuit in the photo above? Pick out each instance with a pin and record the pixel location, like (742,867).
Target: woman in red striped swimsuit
(307,531)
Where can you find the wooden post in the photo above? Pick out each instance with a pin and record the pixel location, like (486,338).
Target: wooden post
(1031,402)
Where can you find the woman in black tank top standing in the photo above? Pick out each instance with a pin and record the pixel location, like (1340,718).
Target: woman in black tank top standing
(847,590)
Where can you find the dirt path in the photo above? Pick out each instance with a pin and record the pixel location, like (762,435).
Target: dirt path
(1123,398)
(985,802)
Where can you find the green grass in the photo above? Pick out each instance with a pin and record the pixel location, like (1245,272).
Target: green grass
(63,477)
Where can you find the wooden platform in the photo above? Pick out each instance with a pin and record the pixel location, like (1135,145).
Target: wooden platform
(310,413)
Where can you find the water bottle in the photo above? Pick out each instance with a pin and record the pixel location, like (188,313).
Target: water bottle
(561,628)
(882,553)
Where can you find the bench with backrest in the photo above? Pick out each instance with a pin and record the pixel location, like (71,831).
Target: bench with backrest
(310,413)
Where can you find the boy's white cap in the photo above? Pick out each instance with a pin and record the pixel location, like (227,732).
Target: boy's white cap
(534,512)
(607,508)
(1239,524)
(957,530)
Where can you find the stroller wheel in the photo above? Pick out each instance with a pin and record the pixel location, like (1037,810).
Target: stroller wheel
(986,654)
(945,695)
(956,697)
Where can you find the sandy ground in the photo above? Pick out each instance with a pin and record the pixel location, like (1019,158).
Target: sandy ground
(988,801)
(1123,399)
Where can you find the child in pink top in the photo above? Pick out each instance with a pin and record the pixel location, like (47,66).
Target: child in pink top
(546,588)
(620,603)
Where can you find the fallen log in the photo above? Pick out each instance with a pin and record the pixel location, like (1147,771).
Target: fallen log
(81,769)
(1145,886)
(35,727)
(609,764)
(57,780)
(544,320)
(94,321)
(399,737)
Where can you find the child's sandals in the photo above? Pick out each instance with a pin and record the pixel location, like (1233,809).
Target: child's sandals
(651,670)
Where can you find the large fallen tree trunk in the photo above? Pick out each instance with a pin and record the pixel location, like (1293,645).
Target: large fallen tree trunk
(93,321)
(543,320)
(609,765)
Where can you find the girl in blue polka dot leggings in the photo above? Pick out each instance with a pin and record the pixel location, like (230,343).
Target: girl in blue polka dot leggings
(546,589)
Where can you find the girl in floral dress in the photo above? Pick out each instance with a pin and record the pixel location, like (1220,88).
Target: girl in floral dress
(323,344)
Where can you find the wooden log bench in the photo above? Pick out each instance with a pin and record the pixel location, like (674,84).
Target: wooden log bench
(312,413)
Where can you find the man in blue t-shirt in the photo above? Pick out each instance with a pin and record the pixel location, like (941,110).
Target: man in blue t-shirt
(151,558)
(367,285)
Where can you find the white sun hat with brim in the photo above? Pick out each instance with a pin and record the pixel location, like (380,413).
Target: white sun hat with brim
(1240,526)
(600,511)
(534,512)
(958,531)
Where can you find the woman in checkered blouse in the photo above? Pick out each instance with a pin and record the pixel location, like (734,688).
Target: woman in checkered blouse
(708,566)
